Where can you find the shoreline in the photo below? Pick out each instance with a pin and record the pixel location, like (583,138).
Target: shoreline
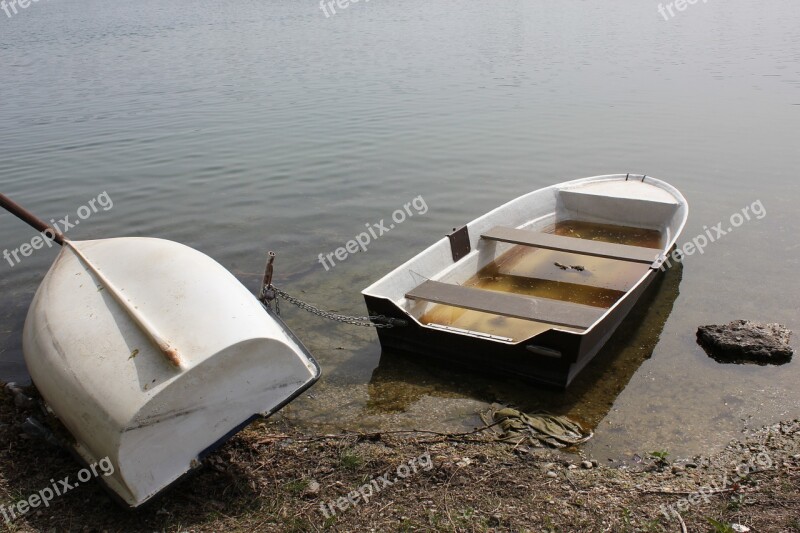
(272,477)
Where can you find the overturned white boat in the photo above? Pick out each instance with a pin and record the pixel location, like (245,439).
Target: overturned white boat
(152,354)
(535,287)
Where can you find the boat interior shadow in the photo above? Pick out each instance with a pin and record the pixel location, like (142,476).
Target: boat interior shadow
(400,380)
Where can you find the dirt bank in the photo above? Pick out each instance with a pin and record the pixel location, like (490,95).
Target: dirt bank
(271,478)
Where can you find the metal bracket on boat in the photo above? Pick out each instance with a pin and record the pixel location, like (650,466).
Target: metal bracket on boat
(628,176)
(459,242)
(659,261)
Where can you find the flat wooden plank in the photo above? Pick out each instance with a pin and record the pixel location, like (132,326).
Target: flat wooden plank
(608,250)
(506,304)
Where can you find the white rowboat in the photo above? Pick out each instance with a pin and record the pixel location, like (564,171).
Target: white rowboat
(535,287)
(152,354)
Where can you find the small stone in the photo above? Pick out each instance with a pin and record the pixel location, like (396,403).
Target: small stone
(595,463)
(587,465)
(312,489)
(678,469)
(691,465)
(572,467)
(552,474)
(739,528)
(21,399)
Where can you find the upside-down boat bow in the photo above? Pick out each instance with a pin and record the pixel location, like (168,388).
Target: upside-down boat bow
(152,354)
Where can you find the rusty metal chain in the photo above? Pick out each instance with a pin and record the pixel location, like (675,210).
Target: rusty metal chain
(271,293)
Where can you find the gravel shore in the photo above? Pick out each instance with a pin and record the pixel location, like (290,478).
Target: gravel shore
(272,478)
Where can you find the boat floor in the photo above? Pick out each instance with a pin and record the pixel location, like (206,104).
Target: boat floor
(531,271)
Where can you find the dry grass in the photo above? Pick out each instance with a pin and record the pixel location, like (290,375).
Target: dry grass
(266,480)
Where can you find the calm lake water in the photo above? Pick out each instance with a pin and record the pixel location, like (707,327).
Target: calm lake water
(240,127)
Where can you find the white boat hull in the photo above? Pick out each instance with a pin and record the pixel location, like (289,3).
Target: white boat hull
(114,390)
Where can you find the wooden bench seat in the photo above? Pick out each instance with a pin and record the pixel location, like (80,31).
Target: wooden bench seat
(620,252)
(507,304)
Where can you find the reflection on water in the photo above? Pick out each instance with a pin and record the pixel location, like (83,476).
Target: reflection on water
(399,382)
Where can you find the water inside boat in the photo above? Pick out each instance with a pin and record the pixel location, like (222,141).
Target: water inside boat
(530,271)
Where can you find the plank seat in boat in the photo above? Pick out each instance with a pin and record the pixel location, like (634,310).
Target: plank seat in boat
(608,250)
(542,310)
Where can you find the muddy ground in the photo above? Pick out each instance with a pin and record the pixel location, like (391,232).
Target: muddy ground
(273,478)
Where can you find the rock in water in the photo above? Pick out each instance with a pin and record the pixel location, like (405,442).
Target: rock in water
(743,341)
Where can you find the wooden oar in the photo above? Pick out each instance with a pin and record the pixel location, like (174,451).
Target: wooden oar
(170,352)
